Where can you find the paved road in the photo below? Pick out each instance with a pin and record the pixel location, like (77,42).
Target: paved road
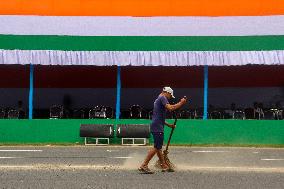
(115,167)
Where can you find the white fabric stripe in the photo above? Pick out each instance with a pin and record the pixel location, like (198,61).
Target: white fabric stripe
(141,58)
(142,26)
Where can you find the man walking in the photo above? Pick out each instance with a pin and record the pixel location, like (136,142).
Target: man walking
(161,105)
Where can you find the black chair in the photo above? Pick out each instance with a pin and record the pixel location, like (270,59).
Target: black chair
(198,114)
(135,112)
(67,113)
(22,114)
(280,114)
(93,113)
(150,114)
(145,114)
(271,114)
(184,114)
(258,113)
(109,112)
(239,114)
(97,112)
(228,114)
(79,114)
(13,114)
(125,114)
(2,114)
(250,114)
(215,115)
(56,112)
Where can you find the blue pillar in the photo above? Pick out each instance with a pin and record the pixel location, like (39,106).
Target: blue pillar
(118,90)
(205,104)
(31,92)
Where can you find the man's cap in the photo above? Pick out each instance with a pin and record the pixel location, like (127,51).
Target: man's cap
(169,90)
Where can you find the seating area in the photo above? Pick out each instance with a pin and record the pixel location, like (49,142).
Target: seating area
(247,113)
(138,112)
(11,113)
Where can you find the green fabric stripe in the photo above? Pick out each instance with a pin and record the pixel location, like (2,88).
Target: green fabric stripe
(142,43)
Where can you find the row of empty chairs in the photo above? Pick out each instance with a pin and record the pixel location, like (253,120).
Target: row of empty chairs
(248,113)
(137,112)
(11,113)
(58,112)
(104,112)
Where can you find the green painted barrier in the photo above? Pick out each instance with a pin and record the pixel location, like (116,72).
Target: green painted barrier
(188,132)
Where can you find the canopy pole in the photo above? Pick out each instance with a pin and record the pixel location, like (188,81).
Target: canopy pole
(118,92)
(31,91)
(205,103)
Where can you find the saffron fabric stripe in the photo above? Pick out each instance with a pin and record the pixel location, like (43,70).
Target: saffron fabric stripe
(142,7)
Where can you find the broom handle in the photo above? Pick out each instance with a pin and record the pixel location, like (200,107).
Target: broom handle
(175,115)
(172,131)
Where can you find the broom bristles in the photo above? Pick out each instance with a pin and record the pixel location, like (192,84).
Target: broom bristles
(167,161)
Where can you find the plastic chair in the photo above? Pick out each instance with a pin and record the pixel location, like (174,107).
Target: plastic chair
(250,114)
(125,114)
(198,114)
(56,112)
(79,114)
(271,114)
(228,114)
(97,112)
(280,114)
(150,114)
(109,112)
(13,114)
(2,114)
(135,112)
(185,114)
(215,115)
(239,114)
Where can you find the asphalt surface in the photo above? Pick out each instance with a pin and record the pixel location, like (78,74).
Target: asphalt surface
(116,167)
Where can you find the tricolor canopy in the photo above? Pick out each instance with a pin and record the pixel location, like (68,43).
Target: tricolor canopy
(142,32)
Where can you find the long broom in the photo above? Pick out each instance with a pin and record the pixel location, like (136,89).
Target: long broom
(166,152)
